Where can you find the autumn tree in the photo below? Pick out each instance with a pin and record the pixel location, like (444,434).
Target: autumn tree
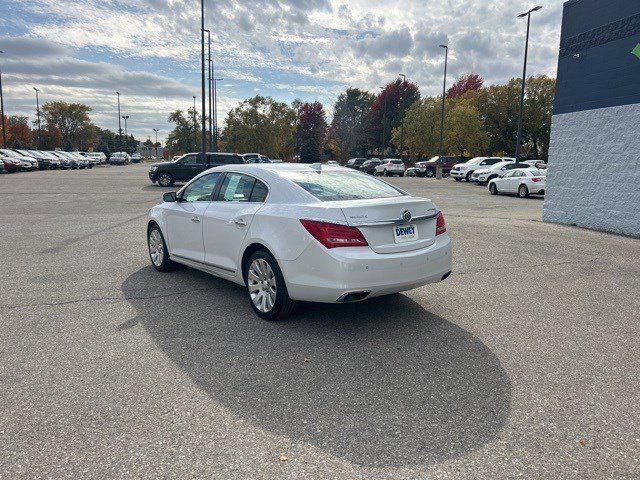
(7,133)
(464,84)
(19,132)
(260,124)
(351,121)
(388,109)
(312,131)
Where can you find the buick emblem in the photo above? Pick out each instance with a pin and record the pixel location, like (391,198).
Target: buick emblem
(406,216)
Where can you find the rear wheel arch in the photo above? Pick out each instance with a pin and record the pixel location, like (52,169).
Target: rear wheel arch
(248,251)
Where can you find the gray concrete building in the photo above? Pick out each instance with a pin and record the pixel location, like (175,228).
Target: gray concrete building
(594,156)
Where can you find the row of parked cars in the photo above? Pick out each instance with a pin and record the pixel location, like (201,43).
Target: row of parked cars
(22,160)
(500,174)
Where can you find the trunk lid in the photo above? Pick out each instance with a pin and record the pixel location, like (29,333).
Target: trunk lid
(378,219)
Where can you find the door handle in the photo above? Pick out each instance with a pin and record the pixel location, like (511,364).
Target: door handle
(195,219)
(240,222)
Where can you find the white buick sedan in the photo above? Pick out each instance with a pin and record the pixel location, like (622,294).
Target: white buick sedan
(294,232)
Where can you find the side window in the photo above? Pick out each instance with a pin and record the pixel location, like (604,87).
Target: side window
(485,162)
(236,188)
(201,189)
(189,160)
(259,193)
(518,174)
(508,175)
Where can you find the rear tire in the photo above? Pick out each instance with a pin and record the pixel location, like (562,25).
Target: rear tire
(523,191)
(165,180)
(266,288)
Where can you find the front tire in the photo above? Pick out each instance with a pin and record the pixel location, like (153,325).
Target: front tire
(266,288)
(493,189)
(457,179)
(165,180)
(468,177)
(430,173)
(523,191)
(158,252)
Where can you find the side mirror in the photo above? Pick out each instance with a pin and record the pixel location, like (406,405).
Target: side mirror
(169,197)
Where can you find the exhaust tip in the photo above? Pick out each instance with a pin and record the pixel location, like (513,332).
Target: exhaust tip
(354,296)
(445,276)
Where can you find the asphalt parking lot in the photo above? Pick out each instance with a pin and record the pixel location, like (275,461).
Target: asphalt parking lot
(523,364)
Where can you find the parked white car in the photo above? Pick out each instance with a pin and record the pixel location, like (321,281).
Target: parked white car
(484,175)
(464,171)
(99,157)
(390,167)
(523,181)
(295,232)
(539,164)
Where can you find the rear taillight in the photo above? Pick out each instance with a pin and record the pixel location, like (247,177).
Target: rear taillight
(441,227)
(536,179)
(333,235)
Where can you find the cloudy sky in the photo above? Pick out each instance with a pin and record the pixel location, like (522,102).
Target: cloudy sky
(149,50)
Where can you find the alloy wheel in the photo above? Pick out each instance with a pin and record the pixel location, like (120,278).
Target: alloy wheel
(523,191)
(156,247)
(164,180)
(261,282)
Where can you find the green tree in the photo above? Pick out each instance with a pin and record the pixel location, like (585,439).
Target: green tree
(465,134)
(260,124)
(421,128)
(540,92)
(350,126)
(72,121)
(185,136)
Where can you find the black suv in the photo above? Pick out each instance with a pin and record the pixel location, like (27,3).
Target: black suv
(188,166)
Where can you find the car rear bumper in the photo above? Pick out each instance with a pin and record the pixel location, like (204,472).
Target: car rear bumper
(328,276)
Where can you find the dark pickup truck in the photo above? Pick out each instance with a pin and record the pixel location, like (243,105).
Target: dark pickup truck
(188,166)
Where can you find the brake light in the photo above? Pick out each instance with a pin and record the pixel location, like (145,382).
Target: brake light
(534,179)
(333,235)
(440,225)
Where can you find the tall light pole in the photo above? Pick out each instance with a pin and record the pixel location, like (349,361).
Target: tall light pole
(215,109)
(38,114)
(156,144)
(119,124)
(195,125)
(209,87)
(203,94)
(4,127)
(444,89)
(524,79)
(126,135)
(401,112)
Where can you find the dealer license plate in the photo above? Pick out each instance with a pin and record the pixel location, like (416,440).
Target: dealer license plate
(405,233)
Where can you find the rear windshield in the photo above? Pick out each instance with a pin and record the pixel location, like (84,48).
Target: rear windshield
(329,186)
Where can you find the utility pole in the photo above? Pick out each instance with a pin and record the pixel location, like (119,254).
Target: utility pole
(38,114)
(524,79)
(444,94)
(4,127)
(119,124)
(156,144)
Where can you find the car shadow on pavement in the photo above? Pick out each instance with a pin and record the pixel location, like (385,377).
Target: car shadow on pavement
(380,383)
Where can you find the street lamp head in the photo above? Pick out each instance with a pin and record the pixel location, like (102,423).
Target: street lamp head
(535,9)
(444,46)
(36,89)
(117,93)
